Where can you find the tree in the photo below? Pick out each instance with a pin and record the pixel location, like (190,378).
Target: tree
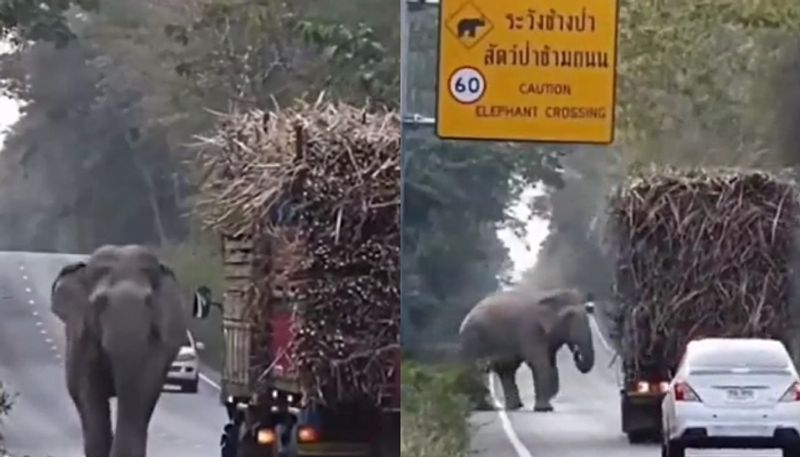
(700,83)
(23,20)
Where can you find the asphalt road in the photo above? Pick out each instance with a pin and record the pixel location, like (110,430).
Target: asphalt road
(43,421)
(586,420)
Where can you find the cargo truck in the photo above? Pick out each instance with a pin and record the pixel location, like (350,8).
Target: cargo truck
(268,415)
(697,253)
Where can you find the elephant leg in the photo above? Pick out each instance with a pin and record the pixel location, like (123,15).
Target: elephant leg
(539,362)
(136,401)
(88,389)
(507,370)
(554,381)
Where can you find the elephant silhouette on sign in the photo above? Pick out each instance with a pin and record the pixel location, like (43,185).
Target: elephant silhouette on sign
(508,328)
(469,26)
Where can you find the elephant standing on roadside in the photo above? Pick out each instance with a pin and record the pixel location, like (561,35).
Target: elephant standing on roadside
(511,327)
(124,322)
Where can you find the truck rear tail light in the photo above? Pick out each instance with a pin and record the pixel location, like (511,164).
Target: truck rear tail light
(265,436)
(307,434)
(792,393)
(645,387)
(684,392)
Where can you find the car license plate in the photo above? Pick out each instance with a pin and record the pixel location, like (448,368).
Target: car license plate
(741,394)
(740,430)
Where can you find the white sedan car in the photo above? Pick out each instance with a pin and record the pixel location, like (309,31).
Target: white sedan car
(732,393)
(184,370)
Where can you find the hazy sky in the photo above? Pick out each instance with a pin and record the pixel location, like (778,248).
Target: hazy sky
(523,258)
(9,109)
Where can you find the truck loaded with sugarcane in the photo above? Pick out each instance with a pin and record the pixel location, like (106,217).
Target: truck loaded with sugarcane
(696,253)
(306,201)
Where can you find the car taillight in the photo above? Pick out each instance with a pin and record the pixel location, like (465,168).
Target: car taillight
(683,392)
(792,393)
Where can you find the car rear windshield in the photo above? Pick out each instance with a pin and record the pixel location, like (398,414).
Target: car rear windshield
(757,359)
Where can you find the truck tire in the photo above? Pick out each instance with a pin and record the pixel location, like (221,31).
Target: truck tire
(672,449)
(190,387)
(791,450)
(638,436)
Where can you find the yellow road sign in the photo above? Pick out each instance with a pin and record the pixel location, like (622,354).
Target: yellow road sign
(540,70)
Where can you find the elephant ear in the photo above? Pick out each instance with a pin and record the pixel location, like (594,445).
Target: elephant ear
(169,323)
(68,291)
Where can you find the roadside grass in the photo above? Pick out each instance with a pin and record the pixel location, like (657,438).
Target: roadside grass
(6,402)
(198,261)
(437,400)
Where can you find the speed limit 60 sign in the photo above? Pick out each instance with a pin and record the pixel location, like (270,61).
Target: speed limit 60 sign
(467,85)
(522,71)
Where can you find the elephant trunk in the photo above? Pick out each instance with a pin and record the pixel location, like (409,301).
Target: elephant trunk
(583,355)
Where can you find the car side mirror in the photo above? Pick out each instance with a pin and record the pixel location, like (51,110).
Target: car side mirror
(201,304)
(200,346)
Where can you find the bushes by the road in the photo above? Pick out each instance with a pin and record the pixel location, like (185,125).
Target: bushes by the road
(435,411)
(198,261)
(5,407)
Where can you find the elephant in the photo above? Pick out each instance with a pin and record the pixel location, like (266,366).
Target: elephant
(510,327)
(124,322)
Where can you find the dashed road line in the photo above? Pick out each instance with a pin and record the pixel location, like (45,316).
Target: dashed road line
(39,323)
(28,290)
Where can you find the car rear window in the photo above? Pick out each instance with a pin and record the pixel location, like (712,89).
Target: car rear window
(760,358)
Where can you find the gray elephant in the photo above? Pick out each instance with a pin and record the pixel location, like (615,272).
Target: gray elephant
(511,327)
(124,322)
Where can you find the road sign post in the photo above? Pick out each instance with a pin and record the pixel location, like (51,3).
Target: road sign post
(542,70)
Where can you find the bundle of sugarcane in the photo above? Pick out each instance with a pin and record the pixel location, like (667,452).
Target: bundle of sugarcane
(701,253)
(332,171)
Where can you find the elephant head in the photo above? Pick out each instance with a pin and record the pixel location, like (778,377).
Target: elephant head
(122,296)
(571,326)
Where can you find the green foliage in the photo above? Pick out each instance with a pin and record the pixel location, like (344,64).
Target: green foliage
(271,51)
(6,402)
(434,412)
(198,261)
(456,195)
(23,20)
(711,82)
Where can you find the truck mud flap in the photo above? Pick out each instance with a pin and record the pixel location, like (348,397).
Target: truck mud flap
(641,417)
(333,449)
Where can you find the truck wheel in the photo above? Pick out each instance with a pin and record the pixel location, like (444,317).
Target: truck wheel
(190,387)
(672,449)
(637,437)
(791,450)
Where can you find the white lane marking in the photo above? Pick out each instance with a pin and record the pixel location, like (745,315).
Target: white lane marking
(22,268)
(31,302)
(25,277)
(516,443)
(28,290)
(48,341)
(43,331)
(601,337)
(39,323)
(209,381)
(36,313)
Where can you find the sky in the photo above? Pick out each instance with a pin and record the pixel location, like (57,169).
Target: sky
(9,108)
(521,257)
